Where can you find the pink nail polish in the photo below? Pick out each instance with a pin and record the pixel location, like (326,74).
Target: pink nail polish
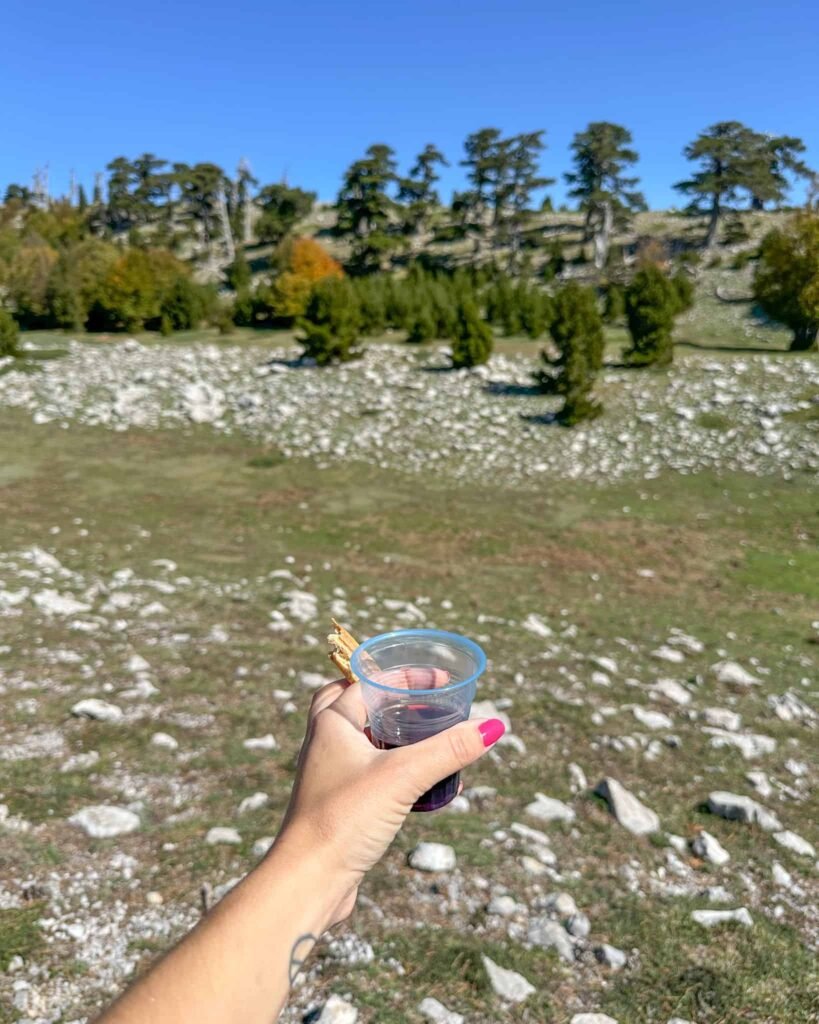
(491,731)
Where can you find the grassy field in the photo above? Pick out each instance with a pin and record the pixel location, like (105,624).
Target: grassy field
(187,545)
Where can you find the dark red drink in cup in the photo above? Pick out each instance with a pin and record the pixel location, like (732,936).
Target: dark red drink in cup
(416,683)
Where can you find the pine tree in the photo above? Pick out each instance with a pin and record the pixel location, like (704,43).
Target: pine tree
(201,188)
(82,200)
(652,303)
(735,159)
(281,208)
(332,322)
(366,210)
(418,195)
(786,282)
(605,194)
(577,331)
(472,342)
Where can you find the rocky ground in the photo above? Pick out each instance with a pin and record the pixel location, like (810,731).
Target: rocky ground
(177,524)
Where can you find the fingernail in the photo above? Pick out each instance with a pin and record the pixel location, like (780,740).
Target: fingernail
(491,731)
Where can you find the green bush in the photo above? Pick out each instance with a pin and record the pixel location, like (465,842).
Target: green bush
(684,288)
(423,326)
(183,306)
(614,303)
(9,334)
(652,303)
(238,275)
(786,282)
(332,322)
(555,261)
(577,331)
(472,343)
(735,231)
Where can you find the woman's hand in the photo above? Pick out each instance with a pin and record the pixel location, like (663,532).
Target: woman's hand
(350,799)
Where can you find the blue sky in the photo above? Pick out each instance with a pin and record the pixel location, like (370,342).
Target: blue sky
(300,89)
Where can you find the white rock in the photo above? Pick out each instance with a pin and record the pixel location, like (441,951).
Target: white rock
(53,603)
(733,674)
(548,934)
(79,762)
(611,956)
(722,718)
(750,745)
(690,643)
(607,664)
(220,835)
(100,710)
(592,1018)
(535,624)
(313,680)
(547,808)
(260,743)
(154,899)
(507,984)
(790,708)
(669,654)
(136,664)
(652,719)
(338,1011)
(671,690)
(579,783)
(781,876)
(578,925)
(164,740)
(709,848)
(626,808)
(262,845)
(735,807)
(438,1013)
(103,821)
(710,918)
(503,906)
(760,782)
(680,1020)
(561,903)
(600,679)
(254,803)
(432,857)
(795,843)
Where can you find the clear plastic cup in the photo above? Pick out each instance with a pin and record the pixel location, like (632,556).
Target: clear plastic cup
(416,683)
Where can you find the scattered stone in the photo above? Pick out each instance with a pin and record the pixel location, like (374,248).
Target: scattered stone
(684,640)
(733,674)
(781,876)
(350,949)
(432,857)
(790,708)
(627,809)
(338,1011)
(154,899)
(507,984)
(503,906)
(592,1018)
(669,654)
(709,848)
(548,934)
(579,783)
(652,719)
(480,795)
(760,782)
(535,624)
(750,745)
(164,740)
(438,1013)
(547,808)
(99,710)
(313,680)
(262,845)
(578,925)
(795,843)
(671,690)
(722,718)
(611,956)
(710,918)
(79,762)
(607,664)
(261,743)
(561,903)
(137,664)
(219,835)
(254,803)
(53,603)
(742,808)
(103,821)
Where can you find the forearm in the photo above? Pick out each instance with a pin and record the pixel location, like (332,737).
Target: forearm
(238,963)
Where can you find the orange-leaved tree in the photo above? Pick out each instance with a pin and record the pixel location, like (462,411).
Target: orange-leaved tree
(303,262)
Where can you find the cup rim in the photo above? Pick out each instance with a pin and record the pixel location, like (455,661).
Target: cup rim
(426,634)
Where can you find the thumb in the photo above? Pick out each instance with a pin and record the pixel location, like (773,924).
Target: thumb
(432,759)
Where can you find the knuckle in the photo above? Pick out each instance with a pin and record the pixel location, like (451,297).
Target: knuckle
(460,746)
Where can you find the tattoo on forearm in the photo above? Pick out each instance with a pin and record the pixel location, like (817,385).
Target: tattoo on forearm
(299,953)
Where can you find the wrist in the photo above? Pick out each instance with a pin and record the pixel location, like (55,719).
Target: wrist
(309,865)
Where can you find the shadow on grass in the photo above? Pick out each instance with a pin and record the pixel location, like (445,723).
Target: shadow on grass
(508,390)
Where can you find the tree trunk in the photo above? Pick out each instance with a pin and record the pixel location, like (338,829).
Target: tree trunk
(713,224)
(805,338)
(602,236)
(230,251)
